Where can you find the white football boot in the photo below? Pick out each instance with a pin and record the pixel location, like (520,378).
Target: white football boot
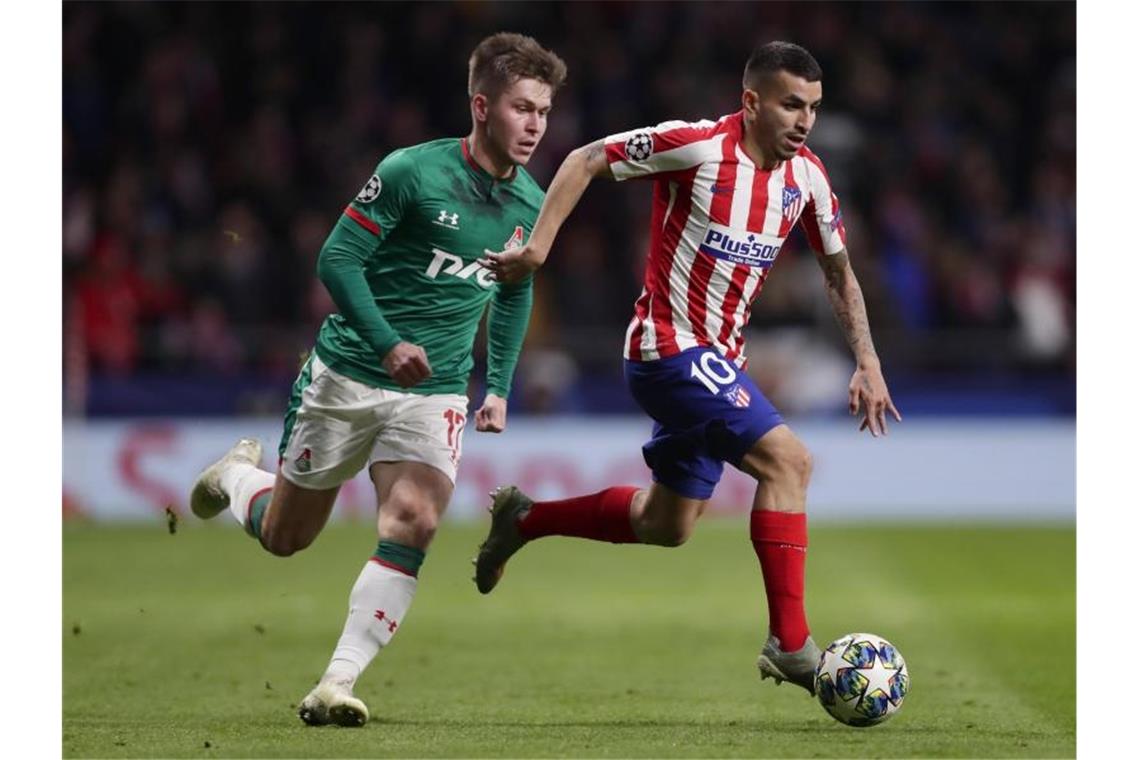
(795,667)
(331,702)
(207,498)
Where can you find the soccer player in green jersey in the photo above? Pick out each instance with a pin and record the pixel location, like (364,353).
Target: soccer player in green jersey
(385,386)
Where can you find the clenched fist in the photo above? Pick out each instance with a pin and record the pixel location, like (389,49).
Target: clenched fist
(407,364)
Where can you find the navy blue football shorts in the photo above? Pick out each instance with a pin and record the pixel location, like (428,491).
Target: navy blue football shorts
(706,412)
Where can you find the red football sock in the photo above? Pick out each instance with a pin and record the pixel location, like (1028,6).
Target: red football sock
(603,516)
(780,540)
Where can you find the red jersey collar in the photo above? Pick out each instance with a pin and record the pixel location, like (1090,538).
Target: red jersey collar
(470,159)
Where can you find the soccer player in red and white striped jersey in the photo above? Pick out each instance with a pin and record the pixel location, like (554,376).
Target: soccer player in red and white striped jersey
(726,194)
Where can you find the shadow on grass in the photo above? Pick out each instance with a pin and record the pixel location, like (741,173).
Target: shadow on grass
(904,728)
(612,724)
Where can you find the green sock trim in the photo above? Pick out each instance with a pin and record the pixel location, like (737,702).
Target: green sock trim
(407,558)
(256,511)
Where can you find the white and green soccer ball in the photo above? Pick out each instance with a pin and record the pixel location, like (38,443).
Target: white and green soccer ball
(861,679)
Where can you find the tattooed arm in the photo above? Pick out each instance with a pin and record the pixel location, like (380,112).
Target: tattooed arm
(868,389)
(572,179)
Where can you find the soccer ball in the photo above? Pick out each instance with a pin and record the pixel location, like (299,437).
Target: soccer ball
(861,679)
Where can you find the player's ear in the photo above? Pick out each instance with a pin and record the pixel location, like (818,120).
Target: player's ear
(479,106)
(750,101)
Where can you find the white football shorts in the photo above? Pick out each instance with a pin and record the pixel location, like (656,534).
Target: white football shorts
(342,426)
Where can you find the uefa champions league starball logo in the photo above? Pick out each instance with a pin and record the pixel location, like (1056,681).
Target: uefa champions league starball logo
(370,191)
(639,147)
(861,679)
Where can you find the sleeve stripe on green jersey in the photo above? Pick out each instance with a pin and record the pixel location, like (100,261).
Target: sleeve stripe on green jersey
(362,220)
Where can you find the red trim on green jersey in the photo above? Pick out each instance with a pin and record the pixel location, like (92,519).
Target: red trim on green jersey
(467,155)
(362,220)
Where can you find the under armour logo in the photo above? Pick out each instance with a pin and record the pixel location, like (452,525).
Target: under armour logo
(392,624)
(448,220)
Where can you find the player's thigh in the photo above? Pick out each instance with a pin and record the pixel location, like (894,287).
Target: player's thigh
(411,498)
(707,412)
(425,430)
(778,455)
(296,515)
(329,428)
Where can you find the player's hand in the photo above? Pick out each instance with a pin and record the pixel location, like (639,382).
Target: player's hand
(407,364)
(492,416)
(868,395)
(512,265)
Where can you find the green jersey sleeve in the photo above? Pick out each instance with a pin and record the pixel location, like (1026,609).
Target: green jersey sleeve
(506,329)
(366,221)
(380,204)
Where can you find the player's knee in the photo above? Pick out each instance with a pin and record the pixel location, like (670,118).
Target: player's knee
(424,527)
(415,519)
(801,465)
(794,464)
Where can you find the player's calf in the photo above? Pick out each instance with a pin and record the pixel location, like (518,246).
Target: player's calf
(778,529)
(516,519)
(284,542)
(619,515)
(662,517)
(293,518)
(667,535)
(411,497)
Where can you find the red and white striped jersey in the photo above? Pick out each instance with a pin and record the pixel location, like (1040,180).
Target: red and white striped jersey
(718,223)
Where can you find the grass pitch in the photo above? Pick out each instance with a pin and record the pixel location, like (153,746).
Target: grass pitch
(199,644)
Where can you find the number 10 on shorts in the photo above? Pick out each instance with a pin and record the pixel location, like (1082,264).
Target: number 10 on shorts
(713,371)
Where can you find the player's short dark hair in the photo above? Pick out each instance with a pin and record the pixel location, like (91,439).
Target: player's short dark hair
(773,57)
(504,58)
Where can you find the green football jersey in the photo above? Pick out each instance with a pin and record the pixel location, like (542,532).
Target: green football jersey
(401,265)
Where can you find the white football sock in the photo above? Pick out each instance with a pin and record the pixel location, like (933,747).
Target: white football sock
(376,607)
(242,482)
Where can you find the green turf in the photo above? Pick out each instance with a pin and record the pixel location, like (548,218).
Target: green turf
(200,645)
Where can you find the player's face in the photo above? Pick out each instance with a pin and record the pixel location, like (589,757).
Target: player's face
(516,120)
(783,113)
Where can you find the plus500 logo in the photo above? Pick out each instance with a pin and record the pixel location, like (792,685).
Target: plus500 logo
(753,249)
(449,263)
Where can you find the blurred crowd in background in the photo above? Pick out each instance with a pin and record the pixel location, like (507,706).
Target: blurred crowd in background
(208,148)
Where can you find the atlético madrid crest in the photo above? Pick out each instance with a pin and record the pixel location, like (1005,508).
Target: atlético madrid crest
(515,240)
(793,202)
(739,396)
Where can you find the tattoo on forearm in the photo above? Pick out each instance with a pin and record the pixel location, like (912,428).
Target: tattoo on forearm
(595,151)
(847,302)
(596,163)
